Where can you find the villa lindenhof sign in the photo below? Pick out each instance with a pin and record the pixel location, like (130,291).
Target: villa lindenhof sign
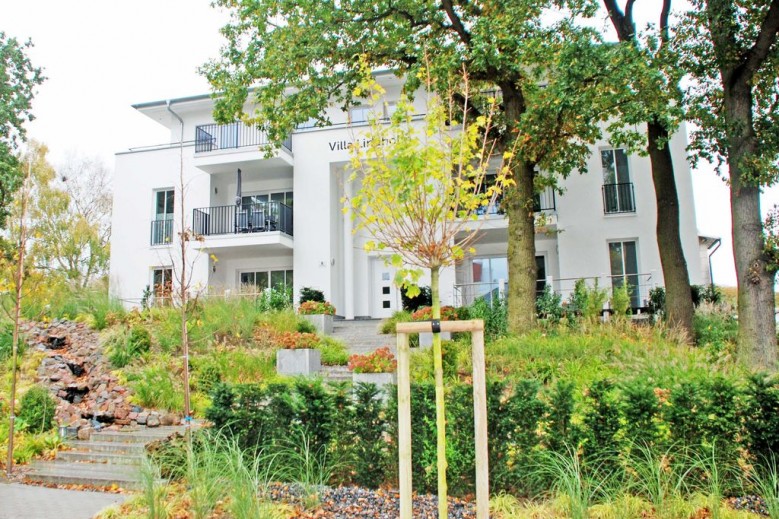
(345,145)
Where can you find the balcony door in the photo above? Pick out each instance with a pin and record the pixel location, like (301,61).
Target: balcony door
(617,186)
(623,256)
(162,226)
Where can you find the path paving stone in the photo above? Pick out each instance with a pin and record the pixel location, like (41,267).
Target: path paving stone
(19,501)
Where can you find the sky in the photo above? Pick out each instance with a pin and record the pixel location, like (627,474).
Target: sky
(102,56)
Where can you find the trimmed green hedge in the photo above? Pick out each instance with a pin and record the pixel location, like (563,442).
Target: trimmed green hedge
(603,421)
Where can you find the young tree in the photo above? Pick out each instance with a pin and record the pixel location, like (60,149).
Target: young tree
(302,54)
(652,96)
(18,79)
(18,281)
(732,51)
(421,190)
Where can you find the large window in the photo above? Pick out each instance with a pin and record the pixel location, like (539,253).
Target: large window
(623,256)
(162,284)
(617,186)
(488,273)
(258,280)
(162,225)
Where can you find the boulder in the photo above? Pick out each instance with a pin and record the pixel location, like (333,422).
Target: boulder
(153,420)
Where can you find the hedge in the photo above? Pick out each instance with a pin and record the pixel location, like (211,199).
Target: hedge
(606,419)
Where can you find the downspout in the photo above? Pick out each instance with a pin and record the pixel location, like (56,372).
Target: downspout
(716,246)
(168,104)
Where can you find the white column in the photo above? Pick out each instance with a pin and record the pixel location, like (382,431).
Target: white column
(348,256)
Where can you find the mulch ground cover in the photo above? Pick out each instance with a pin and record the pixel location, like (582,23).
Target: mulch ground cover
(361,503)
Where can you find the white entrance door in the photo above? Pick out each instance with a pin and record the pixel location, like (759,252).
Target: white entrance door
(385,297)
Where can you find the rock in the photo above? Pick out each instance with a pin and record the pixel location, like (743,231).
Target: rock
(142,417)
(169,419)
(153,420)
(84,433)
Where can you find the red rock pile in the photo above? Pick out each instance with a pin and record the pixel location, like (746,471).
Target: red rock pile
(80,377)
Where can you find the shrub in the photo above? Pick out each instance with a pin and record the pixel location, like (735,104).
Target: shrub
(705,294)
(585,301)
(316,307)
(6,342)
(274,299)
(412,304)
(36,410)
(333,351)
(548,305)
(448,313)
(125,346)
(388,325)
(311,294)
(620,300)
(297,340)
(494,314)
(715,330)
(657,300)
(155,387)
(380,361)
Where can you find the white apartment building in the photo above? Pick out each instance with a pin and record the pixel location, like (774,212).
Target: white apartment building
(265,220)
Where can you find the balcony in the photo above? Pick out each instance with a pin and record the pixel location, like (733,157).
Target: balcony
(542,202)
(221,148)
(162,231)
(267,225)
(619,198)
(232,219)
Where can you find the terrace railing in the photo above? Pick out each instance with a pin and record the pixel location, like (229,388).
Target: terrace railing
(212,137)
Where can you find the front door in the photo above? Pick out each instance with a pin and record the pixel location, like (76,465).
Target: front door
(384,294)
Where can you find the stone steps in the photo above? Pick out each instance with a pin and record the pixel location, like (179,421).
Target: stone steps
(362,335)
(111,458)
(336,373)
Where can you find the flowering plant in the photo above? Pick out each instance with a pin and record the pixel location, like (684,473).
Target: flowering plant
(297,340)
(316,307)
(380,361)
(448,313)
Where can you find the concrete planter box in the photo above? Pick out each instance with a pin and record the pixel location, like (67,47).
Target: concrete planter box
(322,322)
(381,380)
(426,339)
(298,362)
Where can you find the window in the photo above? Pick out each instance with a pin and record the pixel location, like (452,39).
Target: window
(389,108)
(360,114)
(162,284)
(260,280)
(617,187)
(623,257)
(162,225)
(489,272)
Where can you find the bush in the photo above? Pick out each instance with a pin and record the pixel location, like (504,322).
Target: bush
(585,301)
(274,299)
(316,308)
(494,314)
(412,304)
(36,410)
(657,300)
(380,361)
(125,346)
(388,325)
(448,313)
(549,305)
(333,351)
(705,294)
(6,342)
(620,300)
(716,331)
(311,294)
(156,387)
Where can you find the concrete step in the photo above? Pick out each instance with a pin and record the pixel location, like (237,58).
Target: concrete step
(142,436)
(337,373)
(67,473)
(112,447)
(107,458)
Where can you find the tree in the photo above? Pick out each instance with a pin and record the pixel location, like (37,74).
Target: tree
(70,214)
(651,75)
(731,49)
(302,54)
(18,79)
(421,191)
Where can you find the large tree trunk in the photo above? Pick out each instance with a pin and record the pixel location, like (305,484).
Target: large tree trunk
(521,297)
(757,327)
(678,298)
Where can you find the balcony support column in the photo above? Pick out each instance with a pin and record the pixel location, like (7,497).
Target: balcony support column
(348,254)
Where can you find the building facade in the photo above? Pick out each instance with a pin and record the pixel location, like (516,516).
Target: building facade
(264,219)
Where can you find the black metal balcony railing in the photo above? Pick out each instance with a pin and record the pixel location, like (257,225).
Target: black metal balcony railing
(544,201)
(232,219)
(619,198)
(212,137)
(161,231)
